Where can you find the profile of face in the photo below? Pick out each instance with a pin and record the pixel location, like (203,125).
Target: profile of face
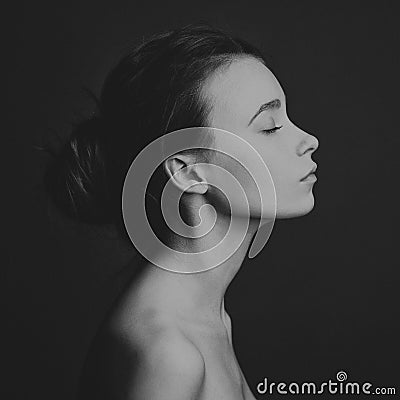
(253,141)
(248,101)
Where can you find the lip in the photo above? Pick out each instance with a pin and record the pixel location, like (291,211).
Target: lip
(310,177)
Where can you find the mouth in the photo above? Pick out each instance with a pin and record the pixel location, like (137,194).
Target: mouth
(310,175)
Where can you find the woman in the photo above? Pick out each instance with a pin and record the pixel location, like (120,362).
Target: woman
(168,336)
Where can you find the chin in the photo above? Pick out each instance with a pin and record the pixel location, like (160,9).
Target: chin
(296,210)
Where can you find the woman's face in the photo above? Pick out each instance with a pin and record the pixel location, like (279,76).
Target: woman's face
(248,100)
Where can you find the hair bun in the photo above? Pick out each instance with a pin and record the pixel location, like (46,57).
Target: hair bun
(76,178)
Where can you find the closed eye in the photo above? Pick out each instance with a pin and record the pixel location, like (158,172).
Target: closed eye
(272,130)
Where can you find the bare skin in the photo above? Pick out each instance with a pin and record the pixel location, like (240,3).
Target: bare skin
(198,347)
(169,336)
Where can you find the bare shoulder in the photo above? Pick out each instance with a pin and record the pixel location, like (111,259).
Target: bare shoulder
(164,364)
(173,362)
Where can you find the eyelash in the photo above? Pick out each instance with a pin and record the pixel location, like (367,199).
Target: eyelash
(271,131)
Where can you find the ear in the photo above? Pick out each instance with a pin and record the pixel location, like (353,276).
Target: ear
(185,174)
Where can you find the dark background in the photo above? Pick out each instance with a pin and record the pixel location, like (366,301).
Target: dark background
(323,294)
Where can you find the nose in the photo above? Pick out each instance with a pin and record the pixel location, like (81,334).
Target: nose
(308,143)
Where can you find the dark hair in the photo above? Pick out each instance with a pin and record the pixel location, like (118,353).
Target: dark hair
(153,90)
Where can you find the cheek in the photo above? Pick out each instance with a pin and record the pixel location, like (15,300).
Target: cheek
(252,172)
(282,168)
(277,163)
(242,192)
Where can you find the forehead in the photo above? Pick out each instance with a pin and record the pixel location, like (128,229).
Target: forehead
(237,92)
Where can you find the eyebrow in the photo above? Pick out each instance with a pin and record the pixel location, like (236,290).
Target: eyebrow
(271,105)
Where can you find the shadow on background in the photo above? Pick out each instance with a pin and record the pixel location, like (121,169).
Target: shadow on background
(323,294)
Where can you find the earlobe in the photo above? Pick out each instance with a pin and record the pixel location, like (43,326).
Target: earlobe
(185,174)
(198,187)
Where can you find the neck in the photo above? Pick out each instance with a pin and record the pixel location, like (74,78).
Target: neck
(197,295)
